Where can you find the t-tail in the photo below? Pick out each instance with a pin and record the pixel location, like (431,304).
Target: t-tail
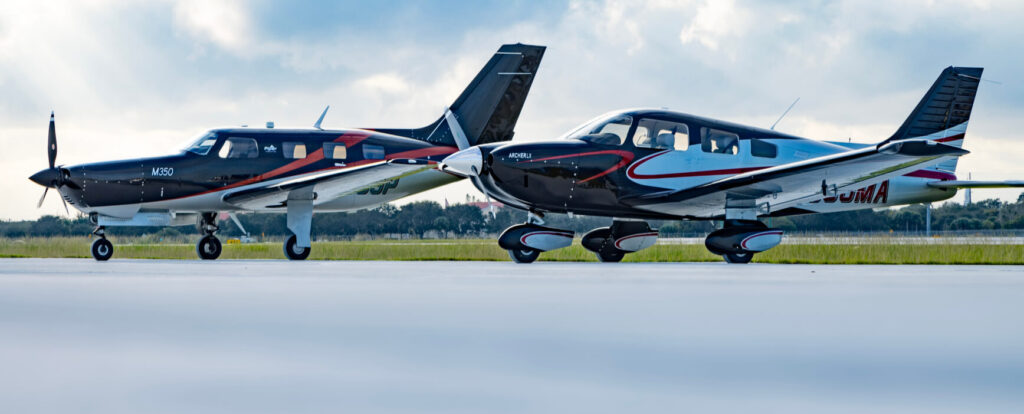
(943,112)
(487,110)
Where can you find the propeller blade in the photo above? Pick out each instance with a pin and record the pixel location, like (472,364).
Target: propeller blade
(45,189)
(51,144)
(66,210)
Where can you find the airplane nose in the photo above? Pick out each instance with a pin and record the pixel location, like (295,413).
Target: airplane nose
(45,177)
(468,162)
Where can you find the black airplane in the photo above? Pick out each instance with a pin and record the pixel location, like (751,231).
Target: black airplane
(636,165)
(293,171)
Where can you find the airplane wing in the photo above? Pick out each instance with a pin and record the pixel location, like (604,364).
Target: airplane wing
(328,185)
(800,181)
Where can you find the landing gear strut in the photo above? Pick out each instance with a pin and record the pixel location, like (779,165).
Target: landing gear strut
(208,247)
(102,249)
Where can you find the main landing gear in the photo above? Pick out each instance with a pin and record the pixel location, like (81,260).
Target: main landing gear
(293,251)
(102,249)
(738,240)
(208,247)
(610,244)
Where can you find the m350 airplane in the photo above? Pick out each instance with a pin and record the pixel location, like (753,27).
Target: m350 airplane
(295,171)
(656,164)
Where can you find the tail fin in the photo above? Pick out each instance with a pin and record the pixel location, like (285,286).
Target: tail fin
(487,110)
(943,113)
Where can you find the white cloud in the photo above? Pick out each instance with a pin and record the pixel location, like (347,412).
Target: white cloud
(715,21)
(224,23)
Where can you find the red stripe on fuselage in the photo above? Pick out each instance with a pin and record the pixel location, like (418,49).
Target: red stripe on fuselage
(349,140)
(626,158)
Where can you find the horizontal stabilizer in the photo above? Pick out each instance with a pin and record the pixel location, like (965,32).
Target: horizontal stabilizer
(976,184)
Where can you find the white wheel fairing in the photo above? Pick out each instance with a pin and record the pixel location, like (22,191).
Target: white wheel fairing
(759,242)
(636,242)
(545,240)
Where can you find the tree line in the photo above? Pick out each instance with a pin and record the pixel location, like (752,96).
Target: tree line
(428,219)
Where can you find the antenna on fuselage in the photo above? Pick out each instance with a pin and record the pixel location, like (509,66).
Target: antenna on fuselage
(784,114)
(321,119)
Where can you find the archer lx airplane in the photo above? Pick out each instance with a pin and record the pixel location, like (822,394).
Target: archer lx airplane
(655,164)
(295,171)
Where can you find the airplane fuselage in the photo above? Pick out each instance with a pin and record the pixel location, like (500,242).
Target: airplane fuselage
(196,179)
(589,172)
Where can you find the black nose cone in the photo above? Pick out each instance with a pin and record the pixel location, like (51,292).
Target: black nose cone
(46,177)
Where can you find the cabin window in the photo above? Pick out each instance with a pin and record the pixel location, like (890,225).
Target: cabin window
(335,151)
(236,147)
(759,148)
(654,133)
(294,150)
(373,152)
(717,141)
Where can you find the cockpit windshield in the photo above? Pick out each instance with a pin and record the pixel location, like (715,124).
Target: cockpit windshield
(203,144)
(608,129)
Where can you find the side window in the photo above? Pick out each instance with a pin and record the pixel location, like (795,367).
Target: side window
(373,152)
(335,151)
(236,147)
(763,149)
(719,142)
(654,133)
(293,150)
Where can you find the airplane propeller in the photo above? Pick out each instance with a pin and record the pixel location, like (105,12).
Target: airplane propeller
(51,177)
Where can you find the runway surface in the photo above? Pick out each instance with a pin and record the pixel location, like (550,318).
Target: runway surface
(273,336)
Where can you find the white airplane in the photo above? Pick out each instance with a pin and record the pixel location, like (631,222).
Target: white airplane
(656,164)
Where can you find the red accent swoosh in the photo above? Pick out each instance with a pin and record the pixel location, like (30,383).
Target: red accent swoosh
(349,139)
(626,156)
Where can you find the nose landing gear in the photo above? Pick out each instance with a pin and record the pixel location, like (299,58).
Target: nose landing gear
(208,247)
(525,242)
(102,249)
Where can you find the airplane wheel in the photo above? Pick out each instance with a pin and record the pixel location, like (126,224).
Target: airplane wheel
(102,249)
(208,247)
(524,256)
(295,252)
(610,257)
(739,258)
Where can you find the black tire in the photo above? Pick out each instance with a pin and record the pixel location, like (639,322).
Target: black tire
(524,256)
(738,258)
(102,249)
(208,247)
(613,256)
(294,252)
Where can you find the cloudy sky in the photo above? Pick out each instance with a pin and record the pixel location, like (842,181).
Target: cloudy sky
(137,78)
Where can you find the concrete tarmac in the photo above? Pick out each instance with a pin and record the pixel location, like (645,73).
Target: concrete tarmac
(131,336)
